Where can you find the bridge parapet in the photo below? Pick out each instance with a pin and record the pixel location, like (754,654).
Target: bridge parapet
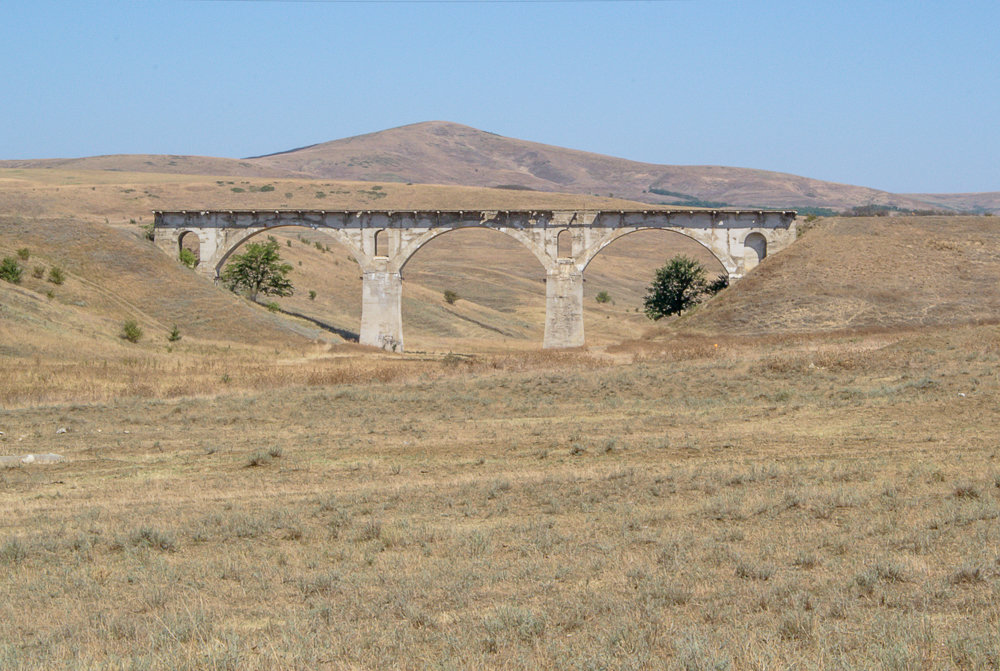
(383,241)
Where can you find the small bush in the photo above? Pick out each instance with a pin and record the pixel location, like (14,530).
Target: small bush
(450,297)
(38,272)
(13,551)
(237,189)
(273,307)
(10,270)
(24,253)
(312,295)
(56,275)
(174,335)
(603,297)
(151,538)
(187,257)
(259,458)
(131,331)
(267,187)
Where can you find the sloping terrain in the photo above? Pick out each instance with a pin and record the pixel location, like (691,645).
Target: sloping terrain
(439,152)
(856,273)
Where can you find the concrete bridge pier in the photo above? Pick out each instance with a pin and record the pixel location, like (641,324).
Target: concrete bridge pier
(563,306)
(381,310)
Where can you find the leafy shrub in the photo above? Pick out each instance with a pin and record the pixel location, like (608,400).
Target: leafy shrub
(187,257)
(679,285)
(312,295)
(237,189)
(56,275)
(267,187)
(450,297)
(273,307)
(259,270)
(603,297)
(10,270)
(131,331)
(174,335)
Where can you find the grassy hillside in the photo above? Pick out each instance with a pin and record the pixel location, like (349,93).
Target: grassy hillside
(868,273)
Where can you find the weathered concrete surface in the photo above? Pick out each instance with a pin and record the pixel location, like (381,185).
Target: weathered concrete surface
(738,238)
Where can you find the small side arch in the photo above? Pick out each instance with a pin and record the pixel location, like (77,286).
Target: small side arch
(564,244)
(191,241)
(754,250)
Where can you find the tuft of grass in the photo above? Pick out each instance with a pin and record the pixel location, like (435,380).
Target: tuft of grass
(56,275)
(151,538)
(14,551)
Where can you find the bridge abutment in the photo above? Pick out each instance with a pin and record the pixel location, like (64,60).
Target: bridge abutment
(381,310)
(563,306)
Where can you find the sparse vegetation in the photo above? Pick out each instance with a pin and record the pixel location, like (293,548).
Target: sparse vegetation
(603,297)
(24,253)
(38,272)
(174,335)
(56,275)
(10,270)
(131,331)
(187,257)
(450,297)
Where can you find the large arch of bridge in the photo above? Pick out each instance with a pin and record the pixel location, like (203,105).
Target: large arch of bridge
(409,249)
(499,284)
(333,234)
(595,250)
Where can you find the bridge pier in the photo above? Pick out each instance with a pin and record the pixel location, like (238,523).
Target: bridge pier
(381,310)
(563,306)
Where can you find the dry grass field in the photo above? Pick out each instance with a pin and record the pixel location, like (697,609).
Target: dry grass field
(802,474)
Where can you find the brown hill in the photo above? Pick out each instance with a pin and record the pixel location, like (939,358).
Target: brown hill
(439,152)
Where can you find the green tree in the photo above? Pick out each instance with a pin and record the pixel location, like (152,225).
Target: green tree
(259,270)
(677,286)
(10,270)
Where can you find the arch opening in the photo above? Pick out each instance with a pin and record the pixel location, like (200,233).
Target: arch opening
(564,244)
(470,285)
(189,249)
(325,276)
(755,250)
(381,243)
(618,276)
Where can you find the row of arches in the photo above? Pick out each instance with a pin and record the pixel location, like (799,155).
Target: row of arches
(755,245)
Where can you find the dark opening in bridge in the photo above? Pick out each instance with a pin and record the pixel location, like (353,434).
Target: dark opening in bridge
(381,243)
(565,244)
(189,241)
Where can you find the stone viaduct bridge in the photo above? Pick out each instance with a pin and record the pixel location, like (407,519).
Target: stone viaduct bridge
(564,241)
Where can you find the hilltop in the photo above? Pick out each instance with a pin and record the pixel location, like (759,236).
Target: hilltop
(440,152)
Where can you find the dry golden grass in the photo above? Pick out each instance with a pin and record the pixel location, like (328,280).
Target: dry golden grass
(825,502)
(816,492)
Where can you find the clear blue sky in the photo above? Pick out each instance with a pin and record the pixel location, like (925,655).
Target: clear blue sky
(903,96)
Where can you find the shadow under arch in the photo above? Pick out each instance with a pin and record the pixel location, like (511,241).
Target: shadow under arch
(332,234)
(498,282)
(701,247)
